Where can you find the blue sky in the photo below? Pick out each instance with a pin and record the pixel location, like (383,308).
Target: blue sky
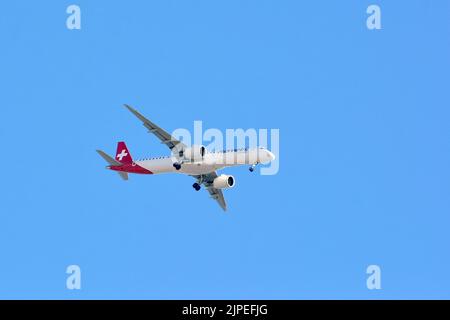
(364,149)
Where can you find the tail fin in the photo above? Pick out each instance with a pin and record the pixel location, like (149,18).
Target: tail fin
(122,154)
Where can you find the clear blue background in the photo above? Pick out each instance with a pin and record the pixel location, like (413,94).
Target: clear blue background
(364,164)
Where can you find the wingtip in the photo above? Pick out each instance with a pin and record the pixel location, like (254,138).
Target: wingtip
(133,111)
(101,153)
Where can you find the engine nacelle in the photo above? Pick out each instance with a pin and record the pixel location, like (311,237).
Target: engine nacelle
(224,182)
(194,153)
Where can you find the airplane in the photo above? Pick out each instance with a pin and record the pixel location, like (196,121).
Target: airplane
(194,160)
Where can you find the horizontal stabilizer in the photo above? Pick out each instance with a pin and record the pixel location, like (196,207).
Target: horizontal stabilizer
(108,159)
(123,175)
(113,162)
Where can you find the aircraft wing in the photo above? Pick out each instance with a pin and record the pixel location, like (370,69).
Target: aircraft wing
(216,194)
(161,134)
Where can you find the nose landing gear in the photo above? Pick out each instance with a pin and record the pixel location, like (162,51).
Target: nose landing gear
(252,168)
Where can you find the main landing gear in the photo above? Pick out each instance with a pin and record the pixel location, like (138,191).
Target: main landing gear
(177,166)
(196,186)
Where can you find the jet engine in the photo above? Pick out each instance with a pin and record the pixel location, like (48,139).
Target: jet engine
(194,153)
(223,182)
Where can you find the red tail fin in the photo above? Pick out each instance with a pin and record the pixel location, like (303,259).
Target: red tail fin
(122,154)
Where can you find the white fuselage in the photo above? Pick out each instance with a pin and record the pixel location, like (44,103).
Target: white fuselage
(210,162)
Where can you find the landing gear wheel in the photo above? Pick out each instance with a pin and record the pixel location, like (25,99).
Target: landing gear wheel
(177,166)
(252,168)
(196,186)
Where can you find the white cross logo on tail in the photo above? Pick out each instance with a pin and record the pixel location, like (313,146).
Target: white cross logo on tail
(121,155)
